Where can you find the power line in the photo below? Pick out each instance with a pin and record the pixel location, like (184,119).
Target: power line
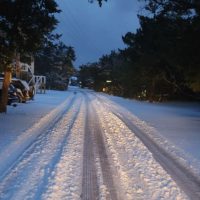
(77,29)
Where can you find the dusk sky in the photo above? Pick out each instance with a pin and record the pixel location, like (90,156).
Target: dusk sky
(94,31)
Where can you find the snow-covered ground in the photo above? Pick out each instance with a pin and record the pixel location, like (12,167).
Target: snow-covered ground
(178,122)
(42,145)
(19,119)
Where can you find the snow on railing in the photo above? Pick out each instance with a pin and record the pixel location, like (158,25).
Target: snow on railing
(40,83)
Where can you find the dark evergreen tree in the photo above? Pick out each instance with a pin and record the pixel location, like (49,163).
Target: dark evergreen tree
(182,19)
(24,26)
(165,50)
(56,62)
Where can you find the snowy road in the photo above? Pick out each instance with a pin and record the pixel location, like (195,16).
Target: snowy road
(92,149)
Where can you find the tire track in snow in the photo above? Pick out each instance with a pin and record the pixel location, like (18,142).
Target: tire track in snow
(34,141)
(33,167)
(66,179)
(184,179)
(188,181)
(90,189)
(127,187)
(94,147)
(50,169)
(139,175)
(14,151)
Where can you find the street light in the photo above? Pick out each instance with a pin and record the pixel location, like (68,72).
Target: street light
(108,81)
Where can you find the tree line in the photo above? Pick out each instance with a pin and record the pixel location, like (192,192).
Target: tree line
(55,61)
(26,31)
(25,26)
(161,60)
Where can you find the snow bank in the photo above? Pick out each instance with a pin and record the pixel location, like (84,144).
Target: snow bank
(65,181)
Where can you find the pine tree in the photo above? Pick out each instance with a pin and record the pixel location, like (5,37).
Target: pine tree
(24,26)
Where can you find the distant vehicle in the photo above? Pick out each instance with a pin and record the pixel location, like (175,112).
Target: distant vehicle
(22,90)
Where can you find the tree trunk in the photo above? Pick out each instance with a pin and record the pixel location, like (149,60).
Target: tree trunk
(18,69)
(4,94)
